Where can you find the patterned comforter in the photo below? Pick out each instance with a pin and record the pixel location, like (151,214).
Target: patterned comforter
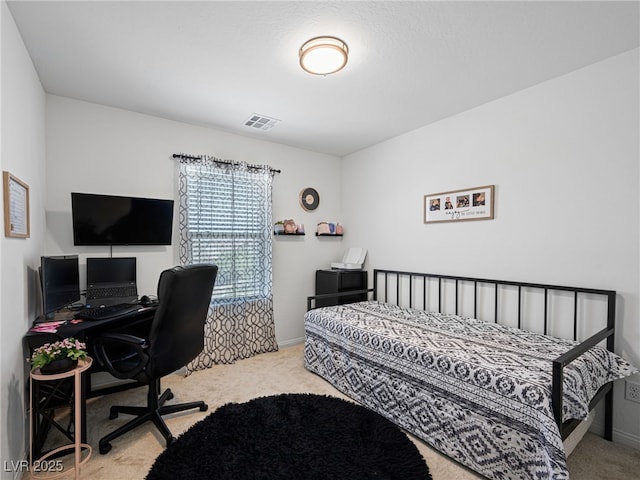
(479,392)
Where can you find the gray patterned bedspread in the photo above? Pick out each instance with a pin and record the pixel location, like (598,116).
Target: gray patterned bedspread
(479,392)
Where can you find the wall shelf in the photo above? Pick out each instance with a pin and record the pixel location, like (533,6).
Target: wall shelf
(287,234)
(329,234)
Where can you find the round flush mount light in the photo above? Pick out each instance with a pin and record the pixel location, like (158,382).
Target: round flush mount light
(323,55)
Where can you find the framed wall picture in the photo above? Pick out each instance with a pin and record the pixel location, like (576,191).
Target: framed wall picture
(458,205)
(16,206)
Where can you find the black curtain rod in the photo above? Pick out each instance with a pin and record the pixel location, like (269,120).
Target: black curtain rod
(216,160)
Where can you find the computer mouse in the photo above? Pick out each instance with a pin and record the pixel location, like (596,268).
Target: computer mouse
(145,300)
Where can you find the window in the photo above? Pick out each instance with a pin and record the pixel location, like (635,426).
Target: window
(225,218)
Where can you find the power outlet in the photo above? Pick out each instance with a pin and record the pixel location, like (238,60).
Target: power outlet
(632,391)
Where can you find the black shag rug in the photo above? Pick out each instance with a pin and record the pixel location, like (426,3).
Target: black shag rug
(291,436)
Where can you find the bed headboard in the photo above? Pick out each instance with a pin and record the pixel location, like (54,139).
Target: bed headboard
(531,306)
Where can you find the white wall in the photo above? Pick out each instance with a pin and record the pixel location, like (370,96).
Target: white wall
(23,154)
(97,149)
(564,158)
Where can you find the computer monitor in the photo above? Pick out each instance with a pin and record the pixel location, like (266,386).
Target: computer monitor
(119,270)
(60,280)
(111,281)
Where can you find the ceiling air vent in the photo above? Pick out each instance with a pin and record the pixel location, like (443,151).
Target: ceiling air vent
(261,122)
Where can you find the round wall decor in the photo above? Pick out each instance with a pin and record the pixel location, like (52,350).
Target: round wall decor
(309,199)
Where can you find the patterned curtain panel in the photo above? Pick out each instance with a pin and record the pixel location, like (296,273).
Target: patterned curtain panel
(225,217)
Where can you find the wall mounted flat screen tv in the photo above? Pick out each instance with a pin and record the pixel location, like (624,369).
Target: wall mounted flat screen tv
(115,220)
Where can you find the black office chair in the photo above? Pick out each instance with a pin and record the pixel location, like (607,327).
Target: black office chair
(176,337)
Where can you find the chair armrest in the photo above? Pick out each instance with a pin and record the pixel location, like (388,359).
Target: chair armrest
(136,351)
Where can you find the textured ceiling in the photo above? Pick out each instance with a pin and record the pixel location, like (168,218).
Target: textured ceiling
(411,63)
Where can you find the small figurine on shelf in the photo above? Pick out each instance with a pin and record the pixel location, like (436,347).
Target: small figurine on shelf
(323,229)
(329,228)
(290,226)
(278,228)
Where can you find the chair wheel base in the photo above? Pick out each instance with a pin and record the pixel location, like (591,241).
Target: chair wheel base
(104,448)
(204,408)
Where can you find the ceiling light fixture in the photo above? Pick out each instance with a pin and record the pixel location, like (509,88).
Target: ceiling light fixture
(323,55)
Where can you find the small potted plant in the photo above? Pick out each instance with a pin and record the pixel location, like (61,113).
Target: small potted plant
(58,357)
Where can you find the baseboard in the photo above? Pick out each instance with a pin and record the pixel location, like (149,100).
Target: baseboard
(627,439)
(291,343)
(619,436)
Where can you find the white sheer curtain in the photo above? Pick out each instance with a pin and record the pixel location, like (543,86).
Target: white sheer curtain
(225,218)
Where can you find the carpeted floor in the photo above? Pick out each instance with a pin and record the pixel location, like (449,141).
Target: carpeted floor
(283,372)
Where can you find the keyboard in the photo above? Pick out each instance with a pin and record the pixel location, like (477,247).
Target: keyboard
(111,292)
(108,312)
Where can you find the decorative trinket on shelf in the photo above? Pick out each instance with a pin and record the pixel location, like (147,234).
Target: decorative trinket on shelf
(329,228)
(288,227)
(323,229)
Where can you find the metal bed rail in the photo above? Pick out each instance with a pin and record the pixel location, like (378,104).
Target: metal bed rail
(312,298)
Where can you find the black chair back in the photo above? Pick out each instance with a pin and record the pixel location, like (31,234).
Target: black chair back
(177,331)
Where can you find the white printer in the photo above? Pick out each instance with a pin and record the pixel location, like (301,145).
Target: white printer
(352,260)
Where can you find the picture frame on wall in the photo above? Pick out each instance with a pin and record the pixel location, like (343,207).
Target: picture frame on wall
(16,206)
(459,205)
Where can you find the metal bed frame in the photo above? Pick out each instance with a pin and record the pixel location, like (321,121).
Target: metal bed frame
(383,278)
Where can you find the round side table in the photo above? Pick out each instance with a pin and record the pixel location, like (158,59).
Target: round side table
(77,446)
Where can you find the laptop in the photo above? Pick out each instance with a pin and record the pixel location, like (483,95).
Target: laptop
(111,281)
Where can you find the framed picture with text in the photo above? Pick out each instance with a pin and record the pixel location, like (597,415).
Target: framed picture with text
(459,205)
(16,206)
